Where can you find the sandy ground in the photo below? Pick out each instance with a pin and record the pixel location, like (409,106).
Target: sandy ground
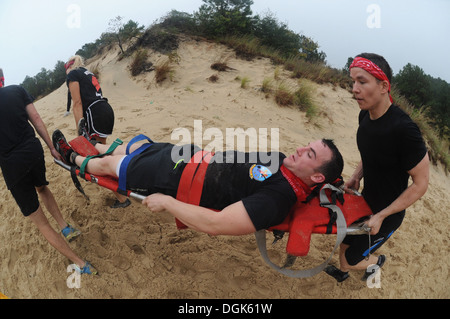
(141,254)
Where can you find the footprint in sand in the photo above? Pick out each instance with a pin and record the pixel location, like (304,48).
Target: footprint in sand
(136,248)
(121,262)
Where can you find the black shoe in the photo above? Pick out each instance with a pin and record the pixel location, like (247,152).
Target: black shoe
(118,204)
(83,129)
(379,264)
(61,146)
(337,274)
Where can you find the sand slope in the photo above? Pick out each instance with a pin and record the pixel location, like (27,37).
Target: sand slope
(141,254)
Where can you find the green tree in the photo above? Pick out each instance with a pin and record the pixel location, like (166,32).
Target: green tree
(414,84)
(43,82)
(58,76)
(30,85)
(310,50)
(439,106)
(117,32)
(131,30)
(179,22)
(274,34)
(346,68)
(115,26)
(217,18)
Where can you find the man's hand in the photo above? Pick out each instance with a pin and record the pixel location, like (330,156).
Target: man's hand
(374,223)
(351,186)
(55,154)
(156,202)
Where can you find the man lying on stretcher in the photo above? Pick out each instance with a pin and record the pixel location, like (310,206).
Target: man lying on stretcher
(243,192)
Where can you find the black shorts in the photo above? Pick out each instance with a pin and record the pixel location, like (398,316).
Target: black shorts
(24,191)
(154,170)
(359,244)
(100,119)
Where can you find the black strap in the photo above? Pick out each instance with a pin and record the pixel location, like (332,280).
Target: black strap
(76,182)
(333,217)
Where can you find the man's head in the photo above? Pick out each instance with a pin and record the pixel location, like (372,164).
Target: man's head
(74,63)
(2,79)
(319,162)
(372,76)
(379,61)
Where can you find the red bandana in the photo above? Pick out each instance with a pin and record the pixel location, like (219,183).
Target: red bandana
(2,82)
(373,69)
(69,64)
(300,188)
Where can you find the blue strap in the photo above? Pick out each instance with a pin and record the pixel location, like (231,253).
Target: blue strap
(129,157)
(138,139)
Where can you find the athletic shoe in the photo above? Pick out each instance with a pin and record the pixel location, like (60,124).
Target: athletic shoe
(336,273)
(70,233)
(61,145)
(88,269)
(378,265)
(83,129)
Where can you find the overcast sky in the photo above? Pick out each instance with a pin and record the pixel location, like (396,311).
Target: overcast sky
(37,33)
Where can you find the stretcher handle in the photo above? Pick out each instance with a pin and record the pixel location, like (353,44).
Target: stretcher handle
(135,196)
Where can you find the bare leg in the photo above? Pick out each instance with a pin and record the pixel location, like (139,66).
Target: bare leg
(105,166)
(39,219)
(120,150)
(101,140)
(49,202)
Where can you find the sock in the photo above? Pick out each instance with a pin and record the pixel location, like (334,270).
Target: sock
(73,155)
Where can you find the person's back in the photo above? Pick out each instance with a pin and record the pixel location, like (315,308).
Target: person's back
(90,89)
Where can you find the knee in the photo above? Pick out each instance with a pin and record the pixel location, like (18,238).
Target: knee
(107,166)
(41,189)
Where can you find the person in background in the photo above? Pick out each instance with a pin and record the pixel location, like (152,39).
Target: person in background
(94,116)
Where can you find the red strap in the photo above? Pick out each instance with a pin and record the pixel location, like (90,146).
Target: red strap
(198,180)
(191,183)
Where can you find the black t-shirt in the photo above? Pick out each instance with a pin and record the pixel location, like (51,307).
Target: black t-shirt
(230,177)
(19,147)
(266,194)
(90,89)
(390,146)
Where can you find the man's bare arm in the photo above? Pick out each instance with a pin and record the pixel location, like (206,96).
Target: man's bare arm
(232,220)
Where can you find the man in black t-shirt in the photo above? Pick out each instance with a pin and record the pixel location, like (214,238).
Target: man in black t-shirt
(250,191)
(392,149)
(23,167)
